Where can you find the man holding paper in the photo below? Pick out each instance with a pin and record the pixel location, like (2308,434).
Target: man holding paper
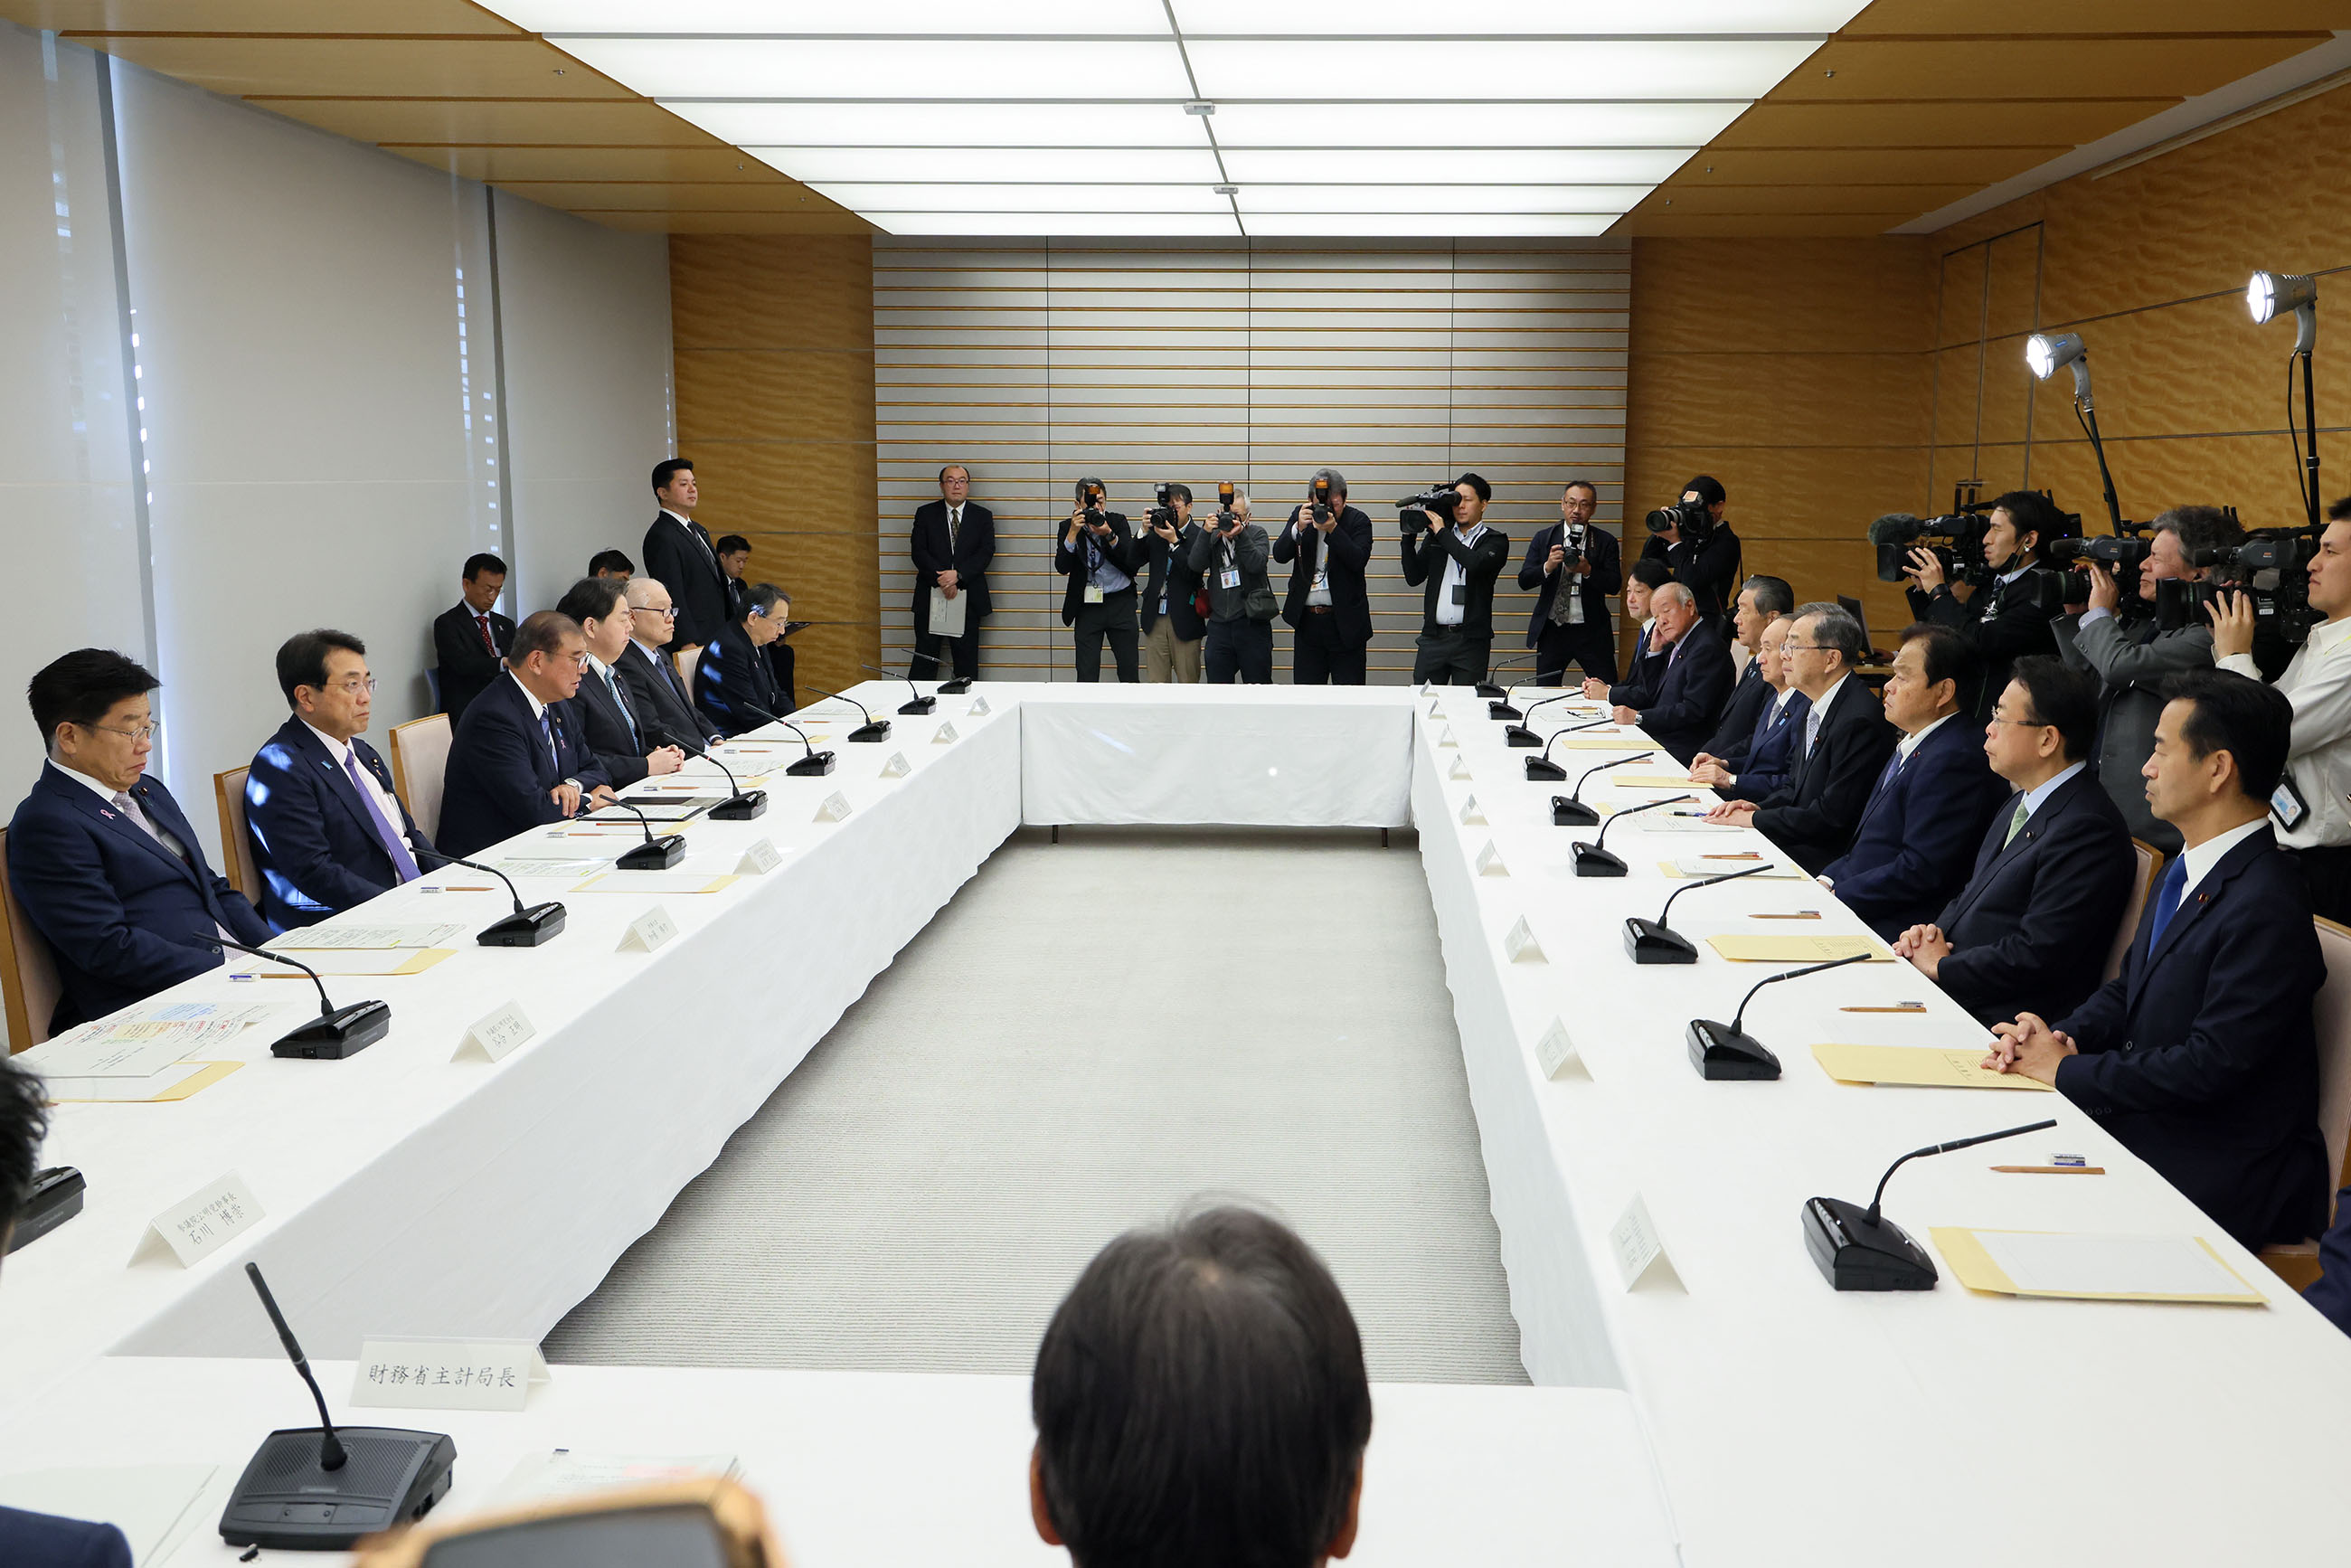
(953,542)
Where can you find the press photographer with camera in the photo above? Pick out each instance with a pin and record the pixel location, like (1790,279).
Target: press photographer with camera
(2006,614)
(1458,557)
(1327,544)
(1171,624)
(1230,556)
(2134,655)
(1575,565)
(1697,546)
(1100,557)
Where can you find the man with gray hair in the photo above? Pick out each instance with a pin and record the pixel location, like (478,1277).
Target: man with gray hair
(1327,544)
(1676,699)
(1227,558)
(1844,747)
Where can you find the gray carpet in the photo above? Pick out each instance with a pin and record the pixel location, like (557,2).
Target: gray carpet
(1092,1033)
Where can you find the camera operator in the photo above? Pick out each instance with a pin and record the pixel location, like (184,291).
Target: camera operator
(1575,565)
(1696,545)
(1172,626)
(1230,557)
(1100,557)
(2309,802)
(1457,620)
(2135,658)
(2006,617)
(1328,544)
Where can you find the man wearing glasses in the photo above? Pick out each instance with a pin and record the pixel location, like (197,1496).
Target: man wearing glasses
(650,676)
(519,759)
(328,831)
(102,858)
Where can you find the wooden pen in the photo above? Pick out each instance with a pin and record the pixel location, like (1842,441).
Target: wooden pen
(2052,1170)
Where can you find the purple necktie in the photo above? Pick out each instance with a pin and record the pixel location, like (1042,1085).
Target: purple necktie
(394,846)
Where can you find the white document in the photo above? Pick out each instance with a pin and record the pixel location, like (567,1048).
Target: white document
(104,1058)
(1699,865)
(945,735)
(1675,822)
(897,767)
(126,1090)
(647,931)
(1520,947)
(2109,1265)
(946,614)
(384,936)
(835,808)
(1489,862)
(447,1373)
(539,1478)
(341,961)
(490,1038)
(187,1024)
(1639,1250)
(1556,1053)
(523,868)
(760,857)
(147,1502)
(201,1221)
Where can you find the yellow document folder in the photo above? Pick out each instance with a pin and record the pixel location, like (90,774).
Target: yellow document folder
(2088,1268)
(1796,949)
(1600,743)
(356,961)
(1915,1064)
(135,1092)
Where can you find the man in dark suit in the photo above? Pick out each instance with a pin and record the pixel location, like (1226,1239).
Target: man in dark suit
(470,639)
(520,759)
(1846,742)
(733,684)
(1676,696)
(1458,557)
(1098,554)
(1172,626)
(329,831)
(2054,873)
(1570,623)
(1327,544)
(658,696)
(735,560)
(1703,561)
(2201,1056)
(678,551)
(1919,830)
(953,542)
(1762,601)
(1760,761)
(102,858)
(602,709)
(2009,615)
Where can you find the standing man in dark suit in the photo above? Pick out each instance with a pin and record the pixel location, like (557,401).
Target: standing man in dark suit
(1458,557)
(1762,760)
(520,760)
(1229,560)
(679,552)
(102,858)
(2009,615)
(1576,565)
(1762,601)
(328,830)
(734,683)
(1328,544)
(1919,830)
(470,639)
(953,542)
(1676,696)
(658,695)
(2054,873)
(1173,628)
(1703,558)
(1846,745)
(2201,1056)
(604,713)
(1098,554)
(734,560)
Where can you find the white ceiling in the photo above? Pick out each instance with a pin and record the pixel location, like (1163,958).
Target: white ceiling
(1068,116)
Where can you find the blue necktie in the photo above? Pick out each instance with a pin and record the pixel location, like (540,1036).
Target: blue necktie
(547,728)
(2167,898)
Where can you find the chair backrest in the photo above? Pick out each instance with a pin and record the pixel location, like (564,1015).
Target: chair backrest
(237,847)
(2149,862)
(2332,1014)
(28,975)
(687,663)
(420,754)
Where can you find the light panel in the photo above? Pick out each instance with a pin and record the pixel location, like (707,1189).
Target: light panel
(1049,68)
(1469,18)
(996,165)
(1684,125)
(1439,68)
(753,124)
(1613,199)
(1057,224)
(950,17)
(867,198)
(1639,167)
(1356,225)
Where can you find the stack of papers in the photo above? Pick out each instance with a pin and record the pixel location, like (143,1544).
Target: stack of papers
(141,1053)
(2092,1266)
(331,936)
(1797,949)
(1684,867)
(1926,1065)
(538,1478)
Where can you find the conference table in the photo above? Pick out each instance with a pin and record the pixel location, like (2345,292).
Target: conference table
(411,1195)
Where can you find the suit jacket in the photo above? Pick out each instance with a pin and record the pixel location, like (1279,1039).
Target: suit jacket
(1481,564)
(1769,753)
(2004,621)
(2201,1058)
(1750,695)
(975,546)
(1121,550)
(1919,830)
(1350,549)
(684,560)
(2036,911)
(466,666)
(620,753)
(500,774)
(1606,576)
(2133,662)
(1680,692)
(732,679)
(659,697)
(314,841)
(122,914)
(1709,571)
(45,1541)
(1171,570)
(1813,814)
(2331,1291)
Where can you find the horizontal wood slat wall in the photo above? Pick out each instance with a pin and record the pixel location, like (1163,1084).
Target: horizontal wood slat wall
(1038,362)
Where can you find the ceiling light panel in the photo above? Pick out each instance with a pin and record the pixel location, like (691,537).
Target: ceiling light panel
(995,165)
(1685,125)
(1642,167)
(1611,200)
(1052,224)
(952,17)
(946,124)
(1442,67)
(872,200)
(1468,18)
(1464,225)
(1049,69)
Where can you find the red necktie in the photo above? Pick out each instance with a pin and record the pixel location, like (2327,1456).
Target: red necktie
(484,622)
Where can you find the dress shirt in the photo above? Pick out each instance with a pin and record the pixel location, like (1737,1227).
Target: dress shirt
(1102,571)
(1778,706)
(2040,792)
(2200,859)
(1319,590)
(1449,611)
(340,750)
(1911,743)
(2318,756)
(1819,712)
(612,679)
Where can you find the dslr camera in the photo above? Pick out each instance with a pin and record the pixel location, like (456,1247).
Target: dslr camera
(1092,499)
(1225,517)
(1571,541)
(1696,523)
(1164,514)
(1413,510)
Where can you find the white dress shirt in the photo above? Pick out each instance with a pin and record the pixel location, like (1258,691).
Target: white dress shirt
(2040,792)
(2200,859)
(1904,747)
(1449,611)
(1814,719)
(340,750)
(2318,756)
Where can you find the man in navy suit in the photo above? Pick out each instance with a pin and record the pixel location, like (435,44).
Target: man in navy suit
(733,684)
(1919,830)
(606,715)
(2201,1056)
(471,637)
(519,760)
(1328,606)
(2054,873)
(680,553)
(953,542)
(1759,763)
(1677,697)
(1762,601)
(102,858)
(328,830)
(658,695)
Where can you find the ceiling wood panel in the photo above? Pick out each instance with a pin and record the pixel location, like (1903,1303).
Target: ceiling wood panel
(492,121)
(309,16)
(517,65)
(512,165)
(1962,69)
(2056,124)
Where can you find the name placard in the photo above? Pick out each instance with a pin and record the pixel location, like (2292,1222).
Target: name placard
(490,1038)
(760,857)
(897,767)
(1489,862)
(1520,947)
(835,808)
(1461,769)
(447,1373)
(1556,1054)
(1472,814)
(1640,1251)
(978,709)
(200,1222)
(943,735)
(647,931)
(1435,708)
(1445,738)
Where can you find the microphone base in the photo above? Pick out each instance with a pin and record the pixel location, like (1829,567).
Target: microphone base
(1489,690)
(285,1501)
(1519,736)
(919,706)
(1502,709)
(1543,769)
(815,764)
(332,1036)
(1566,811)
(877,729)
(1724,1055)
(1593,860)
(741,808)
(957,687)
(1649,942)
(526,929)
(654,855)
(1854,1252)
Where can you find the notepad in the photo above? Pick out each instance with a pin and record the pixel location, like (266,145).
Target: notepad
(1914,1064)
(1645,780)
(1626,741)
(654,882)
(175,1083)
(1796,949)
(348,938)
(1684,867)
(2089,1266)
(353,961)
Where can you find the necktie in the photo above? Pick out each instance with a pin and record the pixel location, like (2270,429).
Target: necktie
(129,808)
(612,684)
(484,623)
(955,525)
(403,863)
(2015,822)
(2167,898)
(547,729)
(1813,728)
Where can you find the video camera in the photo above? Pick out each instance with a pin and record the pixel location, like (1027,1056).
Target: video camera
(2121,554)
(2273,566)
(1413,510)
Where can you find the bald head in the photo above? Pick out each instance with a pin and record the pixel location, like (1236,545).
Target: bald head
(651,629)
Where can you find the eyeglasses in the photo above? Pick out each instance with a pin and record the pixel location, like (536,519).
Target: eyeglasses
(354,688)
(2000,717)
(144,732)
(669,614)
(1804,648)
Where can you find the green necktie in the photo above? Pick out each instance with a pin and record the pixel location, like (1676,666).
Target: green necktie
(2015,822)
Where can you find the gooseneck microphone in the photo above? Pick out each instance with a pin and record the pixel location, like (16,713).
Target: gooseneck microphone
(871,729)
(816,764)
(1726,1053)
(1856,1249)
(526,927)
(740,806)
(1543,767)
(1518,734)
(330,1447)
(654,853)
(1488,689)
(1594,859)
(1655,942)
(1569,810)
(921,704)
(336,1032)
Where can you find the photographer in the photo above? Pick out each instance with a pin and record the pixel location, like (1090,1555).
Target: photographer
(1172,626)
(1575,565)
(1230,557)
(1457,620)
(2135,658)
(1100,557)
(1328,544)
(2309,803)
(2006,617)
(1697,546)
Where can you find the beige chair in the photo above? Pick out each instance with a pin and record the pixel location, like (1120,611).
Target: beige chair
(28,975)
(236,846)
(2151,865)
(688,661)
(2297,1262)
(420,756)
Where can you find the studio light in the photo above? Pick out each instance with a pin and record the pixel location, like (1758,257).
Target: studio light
(2271,292)
(2046,353)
